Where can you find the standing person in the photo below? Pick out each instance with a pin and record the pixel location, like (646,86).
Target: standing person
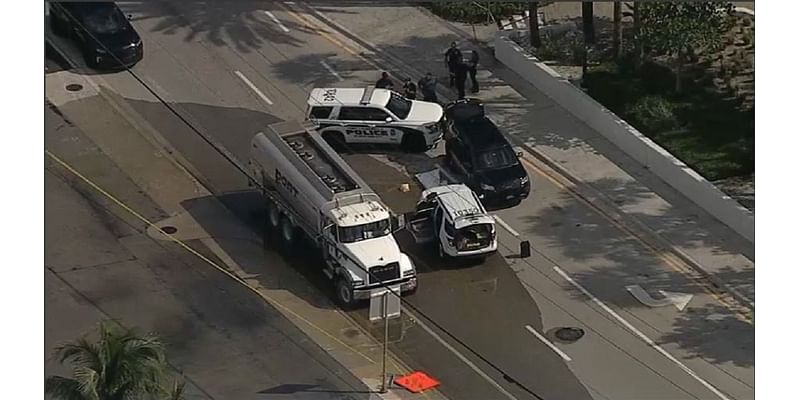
(384,82)
(427,85)
(409,89)
(461,70)
(472,65)
(452,58)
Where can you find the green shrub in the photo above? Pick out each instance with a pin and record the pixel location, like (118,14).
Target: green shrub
(652,114)
(476,13)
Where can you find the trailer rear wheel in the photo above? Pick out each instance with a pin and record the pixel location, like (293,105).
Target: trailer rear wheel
(344,293)
(287,231)
(273,215)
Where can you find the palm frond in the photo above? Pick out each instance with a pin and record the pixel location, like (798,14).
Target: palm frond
(62,388)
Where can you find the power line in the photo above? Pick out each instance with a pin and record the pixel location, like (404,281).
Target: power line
(236,165)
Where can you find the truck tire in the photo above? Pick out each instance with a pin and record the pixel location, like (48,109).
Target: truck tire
(57,26)
(344,293)
(273,215)
(287,231)
(335,139)
(413,143)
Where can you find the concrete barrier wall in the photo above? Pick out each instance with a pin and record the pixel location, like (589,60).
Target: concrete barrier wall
(627,138)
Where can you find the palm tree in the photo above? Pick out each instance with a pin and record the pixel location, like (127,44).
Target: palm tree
(120,365)
(617,36)
(587,14)
(533,24)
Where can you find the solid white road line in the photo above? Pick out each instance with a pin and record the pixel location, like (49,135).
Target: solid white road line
(506,226)
(253,87)
(459,355)
(548,343)
(285,29)
(331,70)
(642,336)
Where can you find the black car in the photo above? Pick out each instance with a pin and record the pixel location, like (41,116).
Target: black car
(105,35)
(478,150)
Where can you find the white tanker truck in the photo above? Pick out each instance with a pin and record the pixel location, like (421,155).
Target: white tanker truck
(309,188)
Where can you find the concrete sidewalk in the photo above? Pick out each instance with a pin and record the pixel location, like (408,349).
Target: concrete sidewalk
(557,138)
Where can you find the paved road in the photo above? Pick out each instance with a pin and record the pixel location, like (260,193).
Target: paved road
(101,263)
(192,61)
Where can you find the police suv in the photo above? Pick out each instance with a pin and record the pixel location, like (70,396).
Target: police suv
(376,116)
(454,218)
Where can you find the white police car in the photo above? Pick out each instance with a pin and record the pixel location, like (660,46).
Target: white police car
(378,116)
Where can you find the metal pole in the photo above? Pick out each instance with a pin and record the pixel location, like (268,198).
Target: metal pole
(384,387)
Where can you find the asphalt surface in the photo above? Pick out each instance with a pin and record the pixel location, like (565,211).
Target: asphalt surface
(191,61)
(101,264)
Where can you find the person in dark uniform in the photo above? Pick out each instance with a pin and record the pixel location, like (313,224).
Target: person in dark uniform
(409,89)
(427,85)
(472,63)
(460,74)
(452,58)
(384,82)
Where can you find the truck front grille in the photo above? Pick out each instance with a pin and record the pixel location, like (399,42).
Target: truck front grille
(384,273)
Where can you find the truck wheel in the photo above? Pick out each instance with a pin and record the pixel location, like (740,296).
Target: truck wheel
(335,140)
(413,142)
(57,26)
(273,215)
(287,231)
(344,293)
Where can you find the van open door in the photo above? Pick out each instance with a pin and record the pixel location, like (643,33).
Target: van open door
(420,225)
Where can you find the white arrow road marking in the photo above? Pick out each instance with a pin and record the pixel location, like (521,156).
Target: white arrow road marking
(277,21)
(641,335)
(548,343)
(253,87)
(679,300)
(331,70)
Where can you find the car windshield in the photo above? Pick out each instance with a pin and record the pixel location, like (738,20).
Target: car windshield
(358,233)
(399,105)
(105,19)
(497,158)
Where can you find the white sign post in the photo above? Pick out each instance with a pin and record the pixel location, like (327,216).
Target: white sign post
(384,305)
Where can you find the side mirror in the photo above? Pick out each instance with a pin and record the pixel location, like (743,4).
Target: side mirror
(519,154)
(389,119)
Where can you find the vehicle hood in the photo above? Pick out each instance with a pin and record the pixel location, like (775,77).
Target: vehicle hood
(499,176)
(425,112)
(375,251)
(118,40)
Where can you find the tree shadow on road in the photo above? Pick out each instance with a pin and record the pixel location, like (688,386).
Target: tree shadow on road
(241,24)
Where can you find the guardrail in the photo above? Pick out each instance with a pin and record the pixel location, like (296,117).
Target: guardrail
(652,156)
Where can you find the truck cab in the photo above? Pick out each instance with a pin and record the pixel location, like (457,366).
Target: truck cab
(453,217)
(360,247)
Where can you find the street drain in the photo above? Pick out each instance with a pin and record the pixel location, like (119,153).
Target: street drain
(74,87)
(169,229)
(569,335)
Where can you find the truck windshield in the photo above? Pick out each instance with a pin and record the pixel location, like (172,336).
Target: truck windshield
(399,105)
(358,233)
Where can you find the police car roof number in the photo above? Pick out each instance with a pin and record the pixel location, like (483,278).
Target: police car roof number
(329,95)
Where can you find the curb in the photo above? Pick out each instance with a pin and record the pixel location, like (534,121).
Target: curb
(582,189)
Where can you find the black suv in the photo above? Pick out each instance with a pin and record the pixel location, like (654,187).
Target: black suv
(478,150)
(104,34)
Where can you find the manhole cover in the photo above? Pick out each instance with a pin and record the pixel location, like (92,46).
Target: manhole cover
(569,334)
(74,87)
(169,229)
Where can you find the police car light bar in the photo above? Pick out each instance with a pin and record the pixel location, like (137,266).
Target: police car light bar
(367,97)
